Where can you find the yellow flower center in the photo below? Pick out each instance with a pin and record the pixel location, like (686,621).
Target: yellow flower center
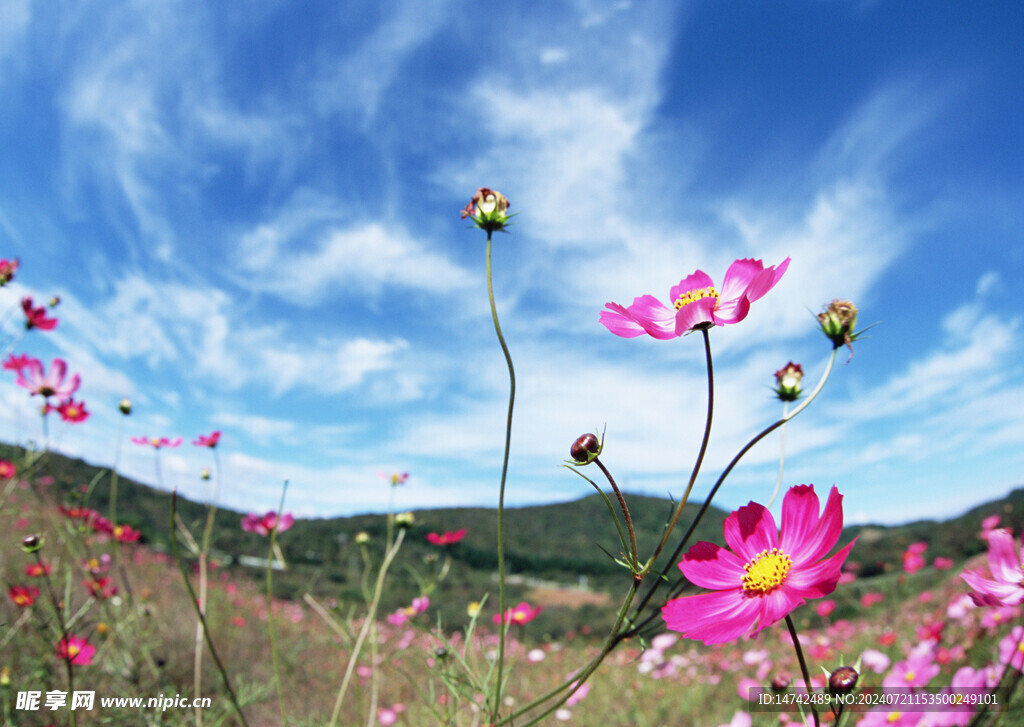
(893,717)
(695,294)
(1020,647)
(73,650)
(766,572)
(910,676)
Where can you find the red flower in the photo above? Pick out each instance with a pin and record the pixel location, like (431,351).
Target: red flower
(7,469)
(16,363)
(100,588)
(210,441)
(36,317)
(521,614)
(76,650)
(23,596)
(446,538)
(126,533)
(38,570)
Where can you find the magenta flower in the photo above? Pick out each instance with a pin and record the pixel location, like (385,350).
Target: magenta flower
(157,442)
(916,670)
(767,574)
(7,270)
(7,469)
(210,441)
(76,650)
(1007,586)
(696,302)
(264,525)
(36,317)
(1011,649)
(16,363)
(446,538)
(71,411)
(520,614)
(52,384)
(913,557)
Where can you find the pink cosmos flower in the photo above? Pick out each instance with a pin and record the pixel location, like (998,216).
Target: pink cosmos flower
(913,557)
(943,563)
(71,411)
(7,469)
(418,606)
(157,442)
(36,317)
(916,670)
(870,599)
(446,538)
(767,574)
(1011,649)
(696,302)
(253,523)
(210,441)
(76,650)
(38,570)
(1006,588)
(520,614)
(126,534)
(987,525)
(16,363)
(395,478)
(7,270)
(31,377)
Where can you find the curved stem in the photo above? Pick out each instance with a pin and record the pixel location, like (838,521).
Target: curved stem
(634,554)
(502,603)
(782,458)
(714,490)
(199,612)
(803,667)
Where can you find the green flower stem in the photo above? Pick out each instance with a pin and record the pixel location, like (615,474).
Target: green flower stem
(696,467)
(368,623)
(270,603)
(199,611)
(204,550)
(782,458)
(677,588)
(635,556)
(578,679)
(502,603)
(611,508)
(803,666)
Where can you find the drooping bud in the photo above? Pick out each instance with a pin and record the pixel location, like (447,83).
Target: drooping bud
(32,543)
(838,321)
(843,680)
(787,382)
(780,682)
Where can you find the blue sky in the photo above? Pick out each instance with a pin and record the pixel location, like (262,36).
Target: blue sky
(250,213)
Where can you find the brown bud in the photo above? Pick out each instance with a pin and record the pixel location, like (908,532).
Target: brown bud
(585,448)
(843,680)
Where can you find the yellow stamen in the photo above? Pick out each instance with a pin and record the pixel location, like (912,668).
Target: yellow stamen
(695,294)
(766,572)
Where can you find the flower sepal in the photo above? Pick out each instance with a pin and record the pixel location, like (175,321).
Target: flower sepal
(488,209)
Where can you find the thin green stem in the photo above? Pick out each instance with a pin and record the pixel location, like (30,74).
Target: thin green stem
(199,612)
(782,458)
(502,602)
(270,606)
(204,550)
(803,667)
(371,614)
(714,490)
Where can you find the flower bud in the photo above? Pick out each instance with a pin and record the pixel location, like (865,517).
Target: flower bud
(780,682)
(362,537)
(55,301)
(586,448)
(837,322)
(787,382)
(31,543)
(205,473)
(441,653)
(405,519)
(843,680)
(488,210)
(125,406)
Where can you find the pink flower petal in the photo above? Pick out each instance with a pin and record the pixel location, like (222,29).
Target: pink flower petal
(750,530)
(710,566)
(714,618)
(1002,557)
